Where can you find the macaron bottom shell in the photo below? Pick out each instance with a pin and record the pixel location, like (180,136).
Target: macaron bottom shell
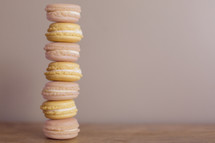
(61,58)
(59,16)
(65,97)
(72,39)
(60,116)
(69,78)
(60,136)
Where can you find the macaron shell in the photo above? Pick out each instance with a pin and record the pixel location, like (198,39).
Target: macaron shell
(69,78)
(62,65)
(60,116)
(63,26)
(62,7)
(60,136)
(62,46)
(69,123)
(59,96)
(52,105)
(67,85)
(61,56)
(59,112)
(63,37)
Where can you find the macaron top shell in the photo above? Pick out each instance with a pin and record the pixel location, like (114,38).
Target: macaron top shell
(62,85)
(63,124)
(62,65)
(62,46)
(62,7)
(52,105)
(63,26)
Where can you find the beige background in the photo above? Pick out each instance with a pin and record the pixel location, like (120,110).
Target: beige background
(143,60)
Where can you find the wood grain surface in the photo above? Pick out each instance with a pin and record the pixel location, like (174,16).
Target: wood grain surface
(98,133)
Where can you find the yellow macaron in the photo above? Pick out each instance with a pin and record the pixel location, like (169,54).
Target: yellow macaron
(59,109)
(64,32)
(63,71)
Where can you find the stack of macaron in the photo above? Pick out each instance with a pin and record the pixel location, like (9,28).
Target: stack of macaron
(62,72)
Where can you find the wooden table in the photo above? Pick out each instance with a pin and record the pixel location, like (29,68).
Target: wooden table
(32,133)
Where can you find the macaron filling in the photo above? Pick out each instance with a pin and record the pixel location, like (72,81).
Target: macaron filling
(61,110)
(68,31)
(72,130)
(69,130)
(74,12)
(67,12)
(59,91)
(63,52)
(60,130)
(71,52)
(65,70)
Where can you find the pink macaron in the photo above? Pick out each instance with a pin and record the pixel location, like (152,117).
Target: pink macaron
(65,13)
(62,52)
(60,90)
(61,129)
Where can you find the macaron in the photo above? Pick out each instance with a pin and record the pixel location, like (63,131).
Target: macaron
(61,129)
(63,71)
(60,90)
(63,12)
(59,109)
(64,32)
(62,52)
